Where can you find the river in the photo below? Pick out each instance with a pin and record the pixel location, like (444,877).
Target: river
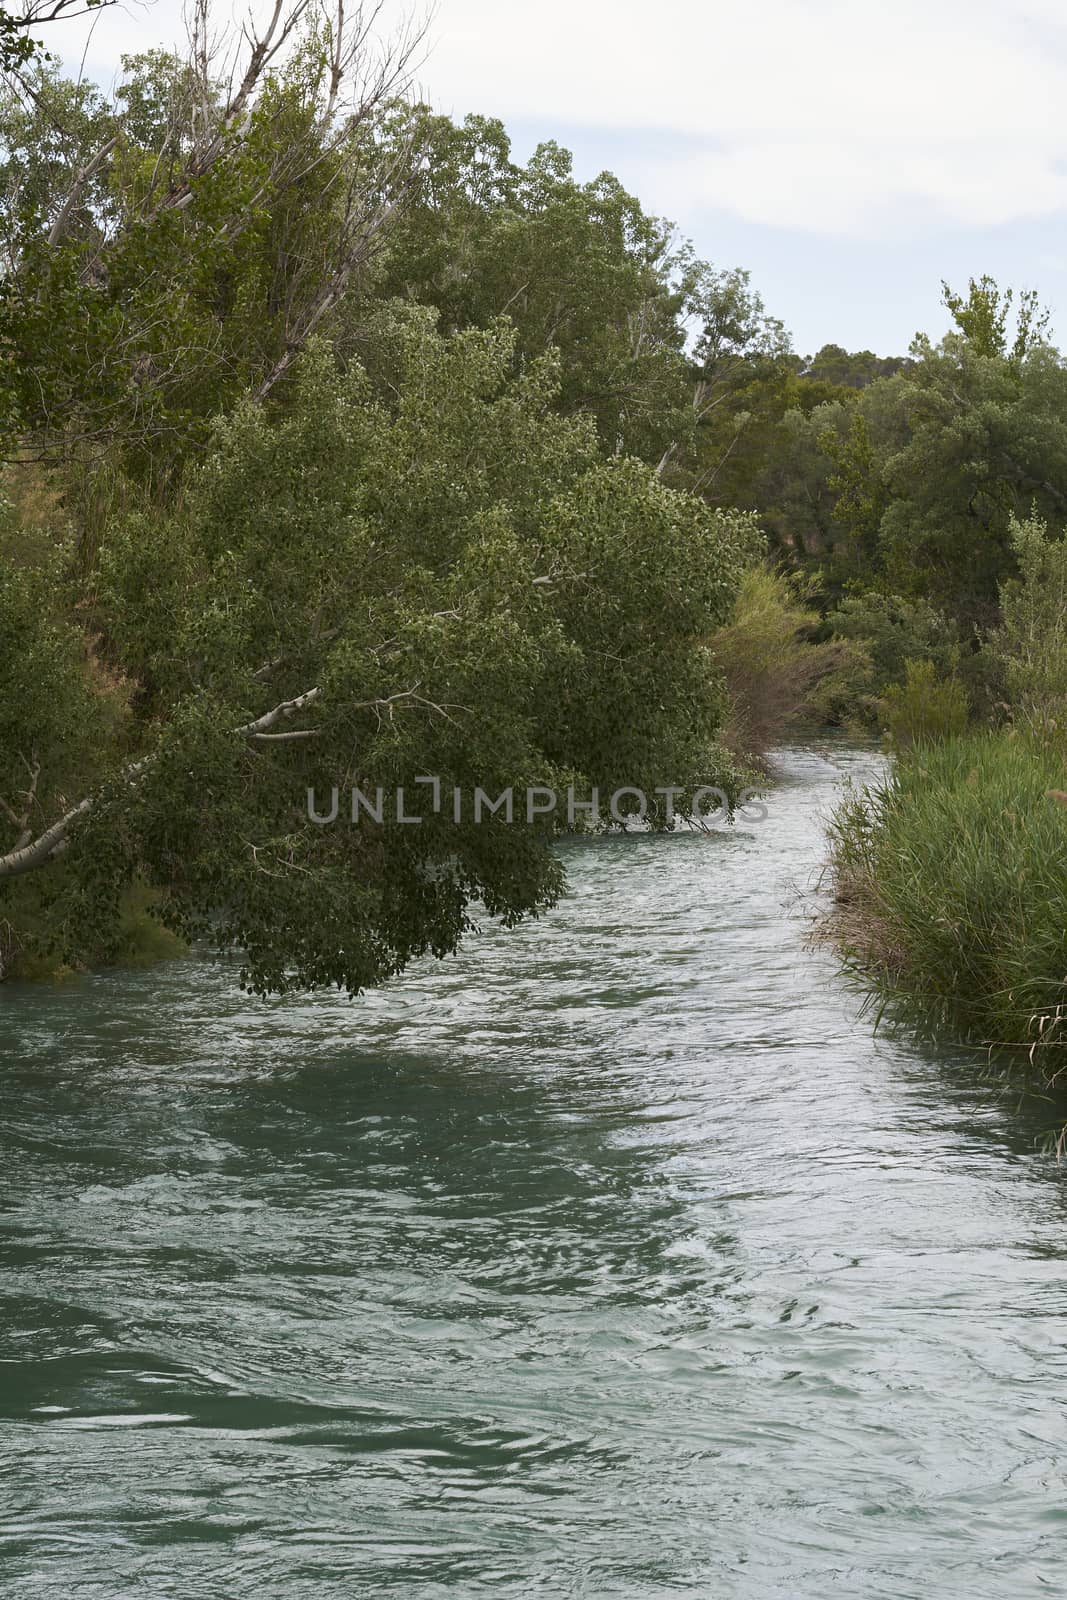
(617,1257)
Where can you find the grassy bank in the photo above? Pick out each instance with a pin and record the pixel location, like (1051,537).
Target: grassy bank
(951,889)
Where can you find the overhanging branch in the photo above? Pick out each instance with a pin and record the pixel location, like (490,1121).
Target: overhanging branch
(29,854)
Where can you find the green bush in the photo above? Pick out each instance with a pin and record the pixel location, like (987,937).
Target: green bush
(952,890)
(924,708)
(778,676)
(1030,646)
(895,630)
(31,943)
(141,940)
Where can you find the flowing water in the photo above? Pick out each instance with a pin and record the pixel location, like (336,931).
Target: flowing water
(614,1258)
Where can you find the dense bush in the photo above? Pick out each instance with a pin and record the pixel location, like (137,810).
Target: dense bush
(1030,646)
(924,708)
(951,888)
(895,630)
(779,676)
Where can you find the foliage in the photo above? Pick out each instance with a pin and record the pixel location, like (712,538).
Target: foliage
(860,494)
(924,708)
(951,892)
(982,318)
(1030,646)
(346,427)
(57,709)
(986,438)
(578,267)
(170,250)
(851,369)
(30,949)
(893,631)
(770,439)
(778,675)
(464,587)
(904,477)
(790,480)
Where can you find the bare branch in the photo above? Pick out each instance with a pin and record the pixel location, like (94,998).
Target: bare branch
(81,178)
(21,819)
(270,719)
(36,13)
(44,847)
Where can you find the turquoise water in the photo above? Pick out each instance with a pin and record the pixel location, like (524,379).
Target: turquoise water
(616,1257)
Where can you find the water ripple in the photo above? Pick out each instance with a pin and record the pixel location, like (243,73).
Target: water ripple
(614,1258)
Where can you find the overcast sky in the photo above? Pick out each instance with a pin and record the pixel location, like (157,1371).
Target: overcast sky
(850,153)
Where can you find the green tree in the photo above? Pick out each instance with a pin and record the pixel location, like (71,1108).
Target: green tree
(1030,645)
(983,317)
(926,468)
(417,568)
(172,249)
(312,532)
(975,440)
(651,337)
(852,369)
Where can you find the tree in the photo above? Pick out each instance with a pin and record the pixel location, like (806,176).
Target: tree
(1030,645)
(739,365)
(982,318)
(972,440)
(311,533)
(925,469)
(852,369)
(416,569)
(789,481)
(576,267)
(649,335)
(174,248)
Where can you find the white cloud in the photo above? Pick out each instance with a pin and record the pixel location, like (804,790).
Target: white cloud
(861,188)
(920,68)
(839,117)
(842,116)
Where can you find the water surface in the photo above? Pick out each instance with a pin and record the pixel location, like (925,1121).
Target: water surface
(614,1258)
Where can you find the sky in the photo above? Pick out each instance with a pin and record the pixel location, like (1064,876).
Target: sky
(850,154)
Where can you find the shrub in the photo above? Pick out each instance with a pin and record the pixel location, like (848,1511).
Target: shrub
(894,631)
(924,708)
(951,889)
(777,676)
(31,946)
(1030,646)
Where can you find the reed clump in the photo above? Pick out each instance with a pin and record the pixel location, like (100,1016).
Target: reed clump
(950,881)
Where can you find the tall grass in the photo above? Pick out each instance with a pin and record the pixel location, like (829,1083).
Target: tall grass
(951,889)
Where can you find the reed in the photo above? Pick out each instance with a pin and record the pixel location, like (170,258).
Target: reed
(951,889)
